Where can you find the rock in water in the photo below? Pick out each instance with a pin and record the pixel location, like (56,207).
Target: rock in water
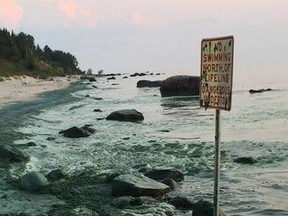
(131,115)
(137,185)
(205,208)
(181,203)
(33,181)
(161,174)
(252,91)
(76,132)
(13,154)
(245,160)
(182,85)
(56,175)
(148,83)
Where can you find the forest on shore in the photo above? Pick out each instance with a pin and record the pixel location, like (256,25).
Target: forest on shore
(19,55)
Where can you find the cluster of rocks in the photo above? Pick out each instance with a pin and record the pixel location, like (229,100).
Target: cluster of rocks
(119,191)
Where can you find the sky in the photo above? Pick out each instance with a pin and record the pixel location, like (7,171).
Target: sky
(156,35)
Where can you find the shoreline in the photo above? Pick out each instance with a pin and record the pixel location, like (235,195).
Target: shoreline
(24,88)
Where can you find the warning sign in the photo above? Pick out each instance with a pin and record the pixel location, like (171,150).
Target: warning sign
(216,72)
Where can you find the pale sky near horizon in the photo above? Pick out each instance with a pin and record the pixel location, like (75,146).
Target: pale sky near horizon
(155,35)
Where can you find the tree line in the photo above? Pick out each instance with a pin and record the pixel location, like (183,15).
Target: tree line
(20,49)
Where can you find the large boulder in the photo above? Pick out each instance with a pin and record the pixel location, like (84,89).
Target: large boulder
(75,132)
(137,185)
(148,83)
(205,208)
(33,181)
(131,115)
(182,85)
(161,174)
(12,154)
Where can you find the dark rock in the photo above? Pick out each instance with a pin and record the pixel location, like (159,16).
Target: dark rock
(26,145)
(51,138)
(134,75)
(137,185)
(161,174)
(148,83)
(87,96)
(125,77)
(56,175)
(245,160)
(182,203)
(30,144)
(75,132)
(97,110)
(252,91)
(181,85)
(142,74)
(126,115)
(13,154)
(205,208)
(94,86)
(92,79)
(111,78)
(169,182)
(98,98)
(33,181)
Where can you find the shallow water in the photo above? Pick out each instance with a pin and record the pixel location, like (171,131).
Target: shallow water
(175,133)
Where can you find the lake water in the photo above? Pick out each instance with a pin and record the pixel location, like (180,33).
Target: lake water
(176,133)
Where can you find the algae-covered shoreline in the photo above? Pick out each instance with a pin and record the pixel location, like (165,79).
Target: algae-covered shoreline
(175,133)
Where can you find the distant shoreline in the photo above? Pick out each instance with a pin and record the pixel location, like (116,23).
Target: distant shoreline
(24,88)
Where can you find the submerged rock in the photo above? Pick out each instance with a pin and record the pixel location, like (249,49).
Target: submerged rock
(75,132)
(181,85)
(252,91)
(161,174)
(245,160)
(182,203)
(13,154)
(148,83)
(131,115)
(205,208)
(137,185)
(33,181)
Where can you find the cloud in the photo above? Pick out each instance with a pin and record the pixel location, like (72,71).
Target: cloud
(74,12)
(11,13)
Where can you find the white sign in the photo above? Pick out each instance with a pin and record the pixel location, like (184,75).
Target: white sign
(216,72)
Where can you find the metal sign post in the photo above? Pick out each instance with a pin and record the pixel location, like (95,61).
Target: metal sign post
(217,163)
(216,90)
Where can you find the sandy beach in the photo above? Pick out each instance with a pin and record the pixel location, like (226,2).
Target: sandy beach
(23,88)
